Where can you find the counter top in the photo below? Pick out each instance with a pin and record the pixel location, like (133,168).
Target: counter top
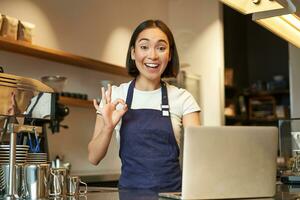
(92,177)
(284,192)
(100,177)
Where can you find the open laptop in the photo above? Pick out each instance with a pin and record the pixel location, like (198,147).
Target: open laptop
(228,162)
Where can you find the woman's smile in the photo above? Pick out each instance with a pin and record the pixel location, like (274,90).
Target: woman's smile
(152,65)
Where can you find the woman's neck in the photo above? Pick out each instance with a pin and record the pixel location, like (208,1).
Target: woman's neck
(146,84)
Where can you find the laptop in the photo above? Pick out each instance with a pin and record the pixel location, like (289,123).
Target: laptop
(228,162)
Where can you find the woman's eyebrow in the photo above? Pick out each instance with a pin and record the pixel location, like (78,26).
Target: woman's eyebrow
(146,39)
(143,39)
(164,41)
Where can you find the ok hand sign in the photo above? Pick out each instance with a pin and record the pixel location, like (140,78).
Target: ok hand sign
(107,109)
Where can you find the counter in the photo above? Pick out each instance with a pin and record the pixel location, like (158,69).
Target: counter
(284,192)
(96,178)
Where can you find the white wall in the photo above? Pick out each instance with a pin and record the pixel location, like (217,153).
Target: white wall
(101,29)
(94,28)
(294,62)
(198,30)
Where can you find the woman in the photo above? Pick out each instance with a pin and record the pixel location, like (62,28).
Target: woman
(149,122)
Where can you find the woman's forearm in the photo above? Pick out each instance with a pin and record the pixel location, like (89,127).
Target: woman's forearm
(99,144)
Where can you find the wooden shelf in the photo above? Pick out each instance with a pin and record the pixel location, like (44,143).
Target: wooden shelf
(236,118)
(268,93)
(75,102)
(60,57)
(248,120)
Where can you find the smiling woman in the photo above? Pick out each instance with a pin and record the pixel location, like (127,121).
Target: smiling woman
(146,113)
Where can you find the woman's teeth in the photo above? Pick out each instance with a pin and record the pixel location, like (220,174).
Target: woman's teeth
(151,65)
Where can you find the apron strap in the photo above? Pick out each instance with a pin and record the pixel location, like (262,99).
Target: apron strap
(164,100)
(130,94)
(164,97)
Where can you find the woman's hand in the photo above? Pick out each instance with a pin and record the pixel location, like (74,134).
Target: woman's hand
(107,109)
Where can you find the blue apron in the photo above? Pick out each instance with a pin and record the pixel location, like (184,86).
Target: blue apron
(148,148)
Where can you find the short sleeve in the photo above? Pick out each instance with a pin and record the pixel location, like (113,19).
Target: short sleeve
(189,104)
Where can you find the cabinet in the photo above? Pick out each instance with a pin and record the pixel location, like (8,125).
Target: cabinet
(256,108)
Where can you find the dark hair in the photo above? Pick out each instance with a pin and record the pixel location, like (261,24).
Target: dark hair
(172,66)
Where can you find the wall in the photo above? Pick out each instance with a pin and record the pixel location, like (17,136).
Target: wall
(294,62)
(198,31)
(98,29)
(101,29)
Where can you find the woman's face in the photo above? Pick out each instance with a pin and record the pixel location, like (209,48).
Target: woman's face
(151,53)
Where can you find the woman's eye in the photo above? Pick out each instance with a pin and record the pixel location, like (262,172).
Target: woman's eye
(144,47)
(162,48)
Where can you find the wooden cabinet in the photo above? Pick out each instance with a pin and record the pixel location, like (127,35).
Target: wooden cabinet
(262,107)
(256,108)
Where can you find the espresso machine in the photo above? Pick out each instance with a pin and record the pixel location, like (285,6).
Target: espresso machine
(289,150)
(21,99)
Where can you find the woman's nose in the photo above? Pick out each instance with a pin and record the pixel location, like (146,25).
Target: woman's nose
(153,54)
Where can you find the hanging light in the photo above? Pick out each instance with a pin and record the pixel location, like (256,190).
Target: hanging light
(279,16)
(253,6)
(284,22)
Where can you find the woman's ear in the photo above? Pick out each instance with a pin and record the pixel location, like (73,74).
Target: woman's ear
(132,54)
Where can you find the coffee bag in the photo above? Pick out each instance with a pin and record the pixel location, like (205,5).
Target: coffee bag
(9,27)
(25,31)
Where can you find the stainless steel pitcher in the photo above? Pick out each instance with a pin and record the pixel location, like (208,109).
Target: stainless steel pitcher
(73,188)
(57,184)
(35,180)
(4,180)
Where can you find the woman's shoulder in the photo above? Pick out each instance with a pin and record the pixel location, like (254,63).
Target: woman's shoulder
(183,99)
(177,91)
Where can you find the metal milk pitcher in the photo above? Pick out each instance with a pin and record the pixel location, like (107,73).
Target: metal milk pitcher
(73,188)
(4,180)
(35,180)
(57,184)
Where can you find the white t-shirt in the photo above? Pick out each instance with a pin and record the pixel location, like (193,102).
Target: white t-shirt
(181,102)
